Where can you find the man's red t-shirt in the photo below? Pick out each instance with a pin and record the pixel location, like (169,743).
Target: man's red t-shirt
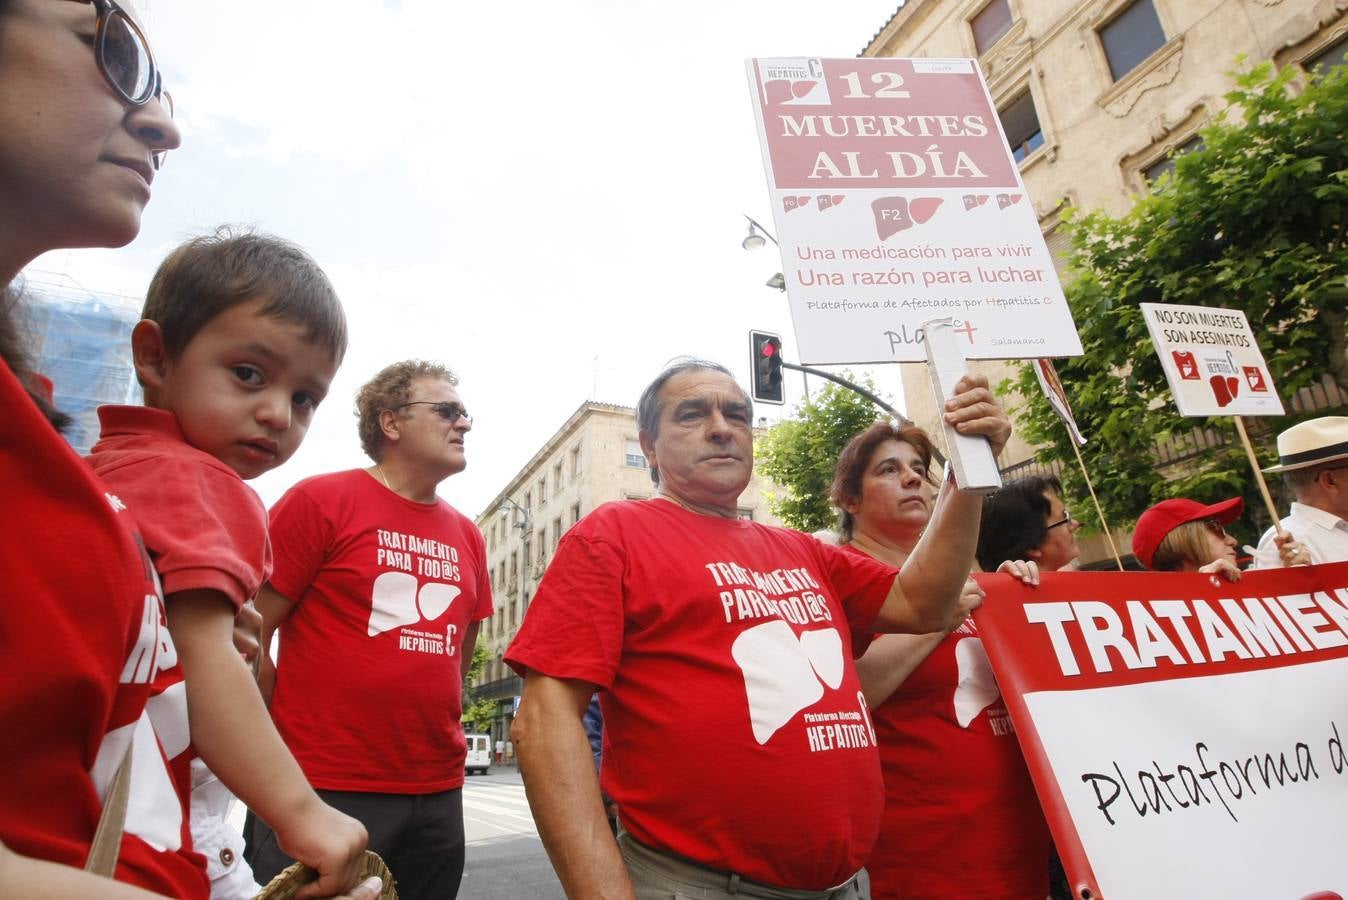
(368,678)
(85,651)
(961,815)
(735,732)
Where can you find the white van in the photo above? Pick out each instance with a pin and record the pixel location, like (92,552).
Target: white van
(479,754)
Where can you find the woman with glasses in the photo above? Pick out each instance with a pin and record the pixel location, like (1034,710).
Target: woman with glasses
(1027,520)
(84,125)
(961,817)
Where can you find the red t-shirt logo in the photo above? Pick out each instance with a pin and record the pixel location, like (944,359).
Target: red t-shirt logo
(1187,365)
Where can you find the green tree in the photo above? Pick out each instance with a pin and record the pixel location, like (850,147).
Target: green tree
(799,453)
(1252,221)
(478,712)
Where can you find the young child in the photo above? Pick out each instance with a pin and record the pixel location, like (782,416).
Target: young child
(240,338)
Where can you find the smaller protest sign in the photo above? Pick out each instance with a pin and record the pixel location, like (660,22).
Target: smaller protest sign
(1212,361)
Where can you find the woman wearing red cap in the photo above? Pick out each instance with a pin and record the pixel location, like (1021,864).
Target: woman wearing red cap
(1183,535)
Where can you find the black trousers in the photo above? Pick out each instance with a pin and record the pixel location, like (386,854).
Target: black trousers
(420,837)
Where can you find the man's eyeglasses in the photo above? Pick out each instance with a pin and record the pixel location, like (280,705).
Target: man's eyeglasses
(450,412)
(1065,520)
(124,57)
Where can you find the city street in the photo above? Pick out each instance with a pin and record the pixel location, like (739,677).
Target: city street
(506,859)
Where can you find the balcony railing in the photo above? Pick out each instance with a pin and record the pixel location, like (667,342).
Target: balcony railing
(501,688)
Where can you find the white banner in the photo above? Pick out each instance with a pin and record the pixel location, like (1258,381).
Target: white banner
(1185,733)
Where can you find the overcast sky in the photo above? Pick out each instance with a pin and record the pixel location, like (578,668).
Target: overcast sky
(547,197)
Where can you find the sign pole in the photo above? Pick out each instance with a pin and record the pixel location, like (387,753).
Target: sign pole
(1259,476)
(1098,511)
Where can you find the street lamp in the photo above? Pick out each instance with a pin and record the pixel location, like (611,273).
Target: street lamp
(757,237)
(522,521)
(754,239)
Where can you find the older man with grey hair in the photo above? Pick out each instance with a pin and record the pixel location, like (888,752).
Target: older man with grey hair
(738,746)
(1313,461)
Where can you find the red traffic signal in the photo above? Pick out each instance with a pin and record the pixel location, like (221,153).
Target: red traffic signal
(766,367)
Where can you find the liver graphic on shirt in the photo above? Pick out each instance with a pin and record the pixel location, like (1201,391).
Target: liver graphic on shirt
(783,673)
(977,688)
(395,601)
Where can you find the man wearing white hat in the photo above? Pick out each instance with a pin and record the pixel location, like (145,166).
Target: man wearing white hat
(1313,460)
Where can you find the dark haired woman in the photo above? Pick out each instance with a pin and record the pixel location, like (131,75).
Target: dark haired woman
(1026,519)
(961,817)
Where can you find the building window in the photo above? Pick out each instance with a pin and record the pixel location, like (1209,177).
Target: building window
(557,478)
(556,532)
(633,456)
(1132,36)
(1021,124)
(745,514)
(1166,163)
(575,513)
(528,499)
(528,555)
(1328,58)
(542,547)
(575,462)
(542,491)
(990,24)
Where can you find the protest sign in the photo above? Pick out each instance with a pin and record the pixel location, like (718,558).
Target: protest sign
(897,200)
(1185,733)
(1211,360)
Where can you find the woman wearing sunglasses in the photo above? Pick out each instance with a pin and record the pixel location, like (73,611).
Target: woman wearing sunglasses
(1182,535)
(84,125)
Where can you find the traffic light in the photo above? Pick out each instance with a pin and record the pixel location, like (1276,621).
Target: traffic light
(767,367)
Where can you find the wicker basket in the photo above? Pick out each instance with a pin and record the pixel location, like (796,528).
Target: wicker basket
(291,879)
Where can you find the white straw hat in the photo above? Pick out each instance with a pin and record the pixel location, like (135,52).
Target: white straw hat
(1312,443)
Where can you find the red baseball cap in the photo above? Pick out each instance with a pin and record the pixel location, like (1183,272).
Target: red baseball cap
(1163,518)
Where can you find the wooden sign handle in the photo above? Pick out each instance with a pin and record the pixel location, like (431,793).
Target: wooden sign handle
(1259,476)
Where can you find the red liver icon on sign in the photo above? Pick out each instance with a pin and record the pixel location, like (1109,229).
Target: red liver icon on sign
(1225,388)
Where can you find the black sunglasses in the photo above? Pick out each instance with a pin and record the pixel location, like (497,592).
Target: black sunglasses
(124,57)
(450,412)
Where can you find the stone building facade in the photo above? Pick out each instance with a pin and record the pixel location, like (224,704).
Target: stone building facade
(1097,96)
